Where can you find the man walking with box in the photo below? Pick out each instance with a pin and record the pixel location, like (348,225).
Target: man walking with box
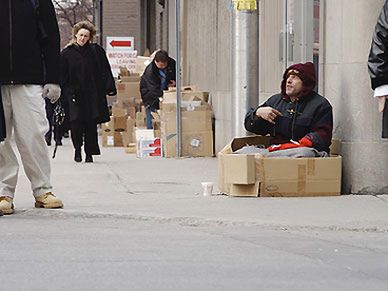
(29,58)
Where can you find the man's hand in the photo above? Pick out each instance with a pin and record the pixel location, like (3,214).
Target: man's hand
(268,113)
(171,83)
(382,103)
(51,92)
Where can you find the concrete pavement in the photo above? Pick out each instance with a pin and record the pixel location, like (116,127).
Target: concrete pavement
(169,190)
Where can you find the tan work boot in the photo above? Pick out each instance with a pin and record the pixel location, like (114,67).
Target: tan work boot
(48,200)
(6,204)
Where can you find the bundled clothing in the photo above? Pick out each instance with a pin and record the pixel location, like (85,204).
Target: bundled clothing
(378,61)
(308,120)
(86,79)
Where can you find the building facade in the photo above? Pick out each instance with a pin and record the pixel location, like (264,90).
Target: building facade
(335,35)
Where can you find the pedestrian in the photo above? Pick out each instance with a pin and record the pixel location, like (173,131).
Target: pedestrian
(86,79)
(298,116)
(378,65)
(158,76)
(29,58)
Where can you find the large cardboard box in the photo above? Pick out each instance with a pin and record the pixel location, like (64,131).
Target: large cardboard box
(125,90)
(254,175)
(197,120)
(169,96)
(194,144)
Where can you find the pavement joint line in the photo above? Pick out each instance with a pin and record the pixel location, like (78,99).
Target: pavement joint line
(380,198)
(190,221)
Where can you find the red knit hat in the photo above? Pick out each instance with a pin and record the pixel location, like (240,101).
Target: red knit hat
(306,72)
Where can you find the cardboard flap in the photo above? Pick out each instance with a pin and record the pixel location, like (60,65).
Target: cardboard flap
(240,142)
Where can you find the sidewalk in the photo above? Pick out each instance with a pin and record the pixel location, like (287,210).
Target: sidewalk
(168,190)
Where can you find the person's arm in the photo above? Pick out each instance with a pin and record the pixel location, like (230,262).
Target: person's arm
(149,87)
(321,128)
(110,83)
(51,43)
(262,119)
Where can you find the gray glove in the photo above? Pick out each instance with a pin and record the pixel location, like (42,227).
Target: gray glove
(52,92)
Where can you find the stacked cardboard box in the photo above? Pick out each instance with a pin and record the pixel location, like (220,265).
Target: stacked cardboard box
(119,131)
(254,175)
(196,125)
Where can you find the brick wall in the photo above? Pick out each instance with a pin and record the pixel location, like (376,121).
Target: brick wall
(122,18)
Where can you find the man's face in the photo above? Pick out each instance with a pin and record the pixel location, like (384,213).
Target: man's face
(294,85)
(161,65)
(82,36)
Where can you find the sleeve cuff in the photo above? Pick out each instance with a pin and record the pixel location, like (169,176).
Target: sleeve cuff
(381,91)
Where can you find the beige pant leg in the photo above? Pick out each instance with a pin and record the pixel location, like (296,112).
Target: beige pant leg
(30,125)
(9,166)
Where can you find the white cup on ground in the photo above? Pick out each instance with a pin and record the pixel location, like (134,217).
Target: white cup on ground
(207,188)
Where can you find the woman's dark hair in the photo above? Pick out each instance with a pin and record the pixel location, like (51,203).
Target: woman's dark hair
(161,56)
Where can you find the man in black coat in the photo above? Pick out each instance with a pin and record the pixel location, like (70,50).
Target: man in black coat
(29,70)
(298,116)
(378,65)
(158,76)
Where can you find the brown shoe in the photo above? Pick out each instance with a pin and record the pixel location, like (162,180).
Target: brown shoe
(6,205)
(48,200)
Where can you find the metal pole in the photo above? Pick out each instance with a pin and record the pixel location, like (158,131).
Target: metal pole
(244,66)
(178,79)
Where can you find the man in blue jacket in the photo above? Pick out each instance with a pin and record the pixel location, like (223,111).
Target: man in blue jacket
(29,70)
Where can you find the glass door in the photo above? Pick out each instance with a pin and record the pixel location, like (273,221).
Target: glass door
(300,34)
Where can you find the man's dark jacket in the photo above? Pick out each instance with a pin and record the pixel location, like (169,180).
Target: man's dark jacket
(86,79)
(22,46)
(311,116)
(2,121)
(150,82)
(378,60)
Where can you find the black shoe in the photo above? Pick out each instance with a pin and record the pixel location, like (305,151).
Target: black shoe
(59,143)
(66,134)
(89,159)
(78,156)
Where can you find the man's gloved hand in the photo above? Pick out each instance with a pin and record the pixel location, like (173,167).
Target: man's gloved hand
(304,142)
(52,92)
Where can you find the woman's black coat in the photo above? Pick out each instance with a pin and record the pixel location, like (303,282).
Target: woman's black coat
(86,79)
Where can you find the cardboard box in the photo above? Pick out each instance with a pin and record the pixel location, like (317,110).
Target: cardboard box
(194,144)
(141,64)
(254,175)
(107,139)
(125,90)
(130,78)
(107,126)
(149,147)
(198,120)
(169,96)
(120,123)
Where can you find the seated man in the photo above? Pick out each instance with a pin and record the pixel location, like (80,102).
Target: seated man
(298,116)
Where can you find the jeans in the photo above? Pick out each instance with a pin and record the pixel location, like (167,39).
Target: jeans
(149,109)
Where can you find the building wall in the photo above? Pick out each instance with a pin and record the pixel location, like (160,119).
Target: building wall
(347,37)
(123,18)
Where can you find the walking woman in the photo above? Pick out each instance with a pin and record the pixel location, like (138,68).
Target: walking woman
(86,79)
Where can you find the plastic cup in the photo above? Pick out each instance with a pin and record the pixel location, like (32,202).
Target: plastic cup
(207,188)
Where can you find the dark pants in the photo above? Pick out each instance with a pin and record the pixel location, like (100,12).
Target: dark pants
(149,109)
(385,120)
(85,133)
